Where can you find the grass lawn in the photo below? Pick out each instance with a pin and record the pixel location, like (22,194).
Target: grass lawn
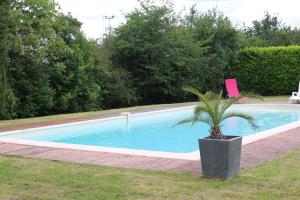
(57,118)
(23,178)
(276,98)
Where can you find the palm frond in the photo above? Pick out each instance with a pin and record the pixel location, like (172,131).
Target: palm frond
(232,100)
(227,103)
(216,105)
(200,110)
(249,118)
(201,98)
(193,120)
(251,95)
(211,96)
(215,100)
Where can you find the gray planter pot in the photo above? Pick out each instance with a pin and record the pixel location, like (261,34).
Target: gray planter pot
(220,158)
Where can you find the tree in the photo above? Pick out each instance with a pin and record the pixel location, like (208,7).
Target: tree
(270,31)
(29,40)
(141,47)
(54,68)
(159,55)
(4,20)
(116,85)
(217,33)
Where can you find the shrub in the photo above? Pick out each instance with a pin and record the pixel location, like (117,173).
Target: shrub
(268,71)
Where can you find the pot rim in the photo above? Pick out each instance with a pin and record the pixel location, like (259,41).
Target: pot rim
(229,138)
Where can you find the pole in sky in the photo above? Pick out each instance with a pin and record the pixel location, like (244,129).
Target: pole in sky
(107,38)
(109,23)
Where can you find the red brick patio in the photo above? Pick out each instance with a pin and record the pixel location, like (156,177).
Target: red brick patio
(252,154)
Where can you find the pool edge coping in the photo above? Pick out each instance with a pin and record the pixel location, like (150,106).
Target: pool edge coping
(195,155)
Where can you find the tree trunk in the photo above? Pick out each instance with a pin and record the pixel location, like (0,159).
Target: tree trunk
(215,133)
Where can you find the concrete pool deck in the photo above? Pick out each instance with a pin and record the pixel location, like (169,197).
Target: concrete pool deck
(253,154)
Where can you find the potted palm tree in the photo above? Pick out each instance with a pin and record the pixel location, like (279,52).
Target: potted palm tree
(220,154)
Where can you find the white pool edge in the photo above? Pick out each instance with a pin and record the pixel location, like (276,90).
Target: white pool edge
(195,155)
(92,120)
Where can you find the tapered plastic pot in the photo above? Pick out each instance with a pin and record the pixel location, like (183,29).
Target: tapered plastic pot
(220,158)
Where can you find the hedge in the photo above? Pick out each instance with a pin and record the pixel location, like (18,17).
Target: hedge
(268,71)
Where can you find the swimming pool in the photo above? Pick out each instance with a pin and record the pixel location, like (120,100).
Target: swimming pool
(153,131)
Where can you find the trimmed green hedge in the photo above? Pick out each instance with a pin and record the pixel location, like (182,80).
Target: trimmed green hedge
(268,71)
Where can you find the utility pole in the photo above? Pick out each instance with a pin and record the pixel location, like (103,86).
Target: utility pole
(217,5)
(107,38)
(109,23)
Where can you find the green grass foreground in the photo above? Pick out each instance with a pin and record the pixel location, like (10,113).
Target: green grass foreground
(72,116)
(24,178)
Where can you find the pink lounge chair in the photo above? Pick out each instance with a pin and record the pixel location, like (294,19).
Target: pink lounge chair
(232,88)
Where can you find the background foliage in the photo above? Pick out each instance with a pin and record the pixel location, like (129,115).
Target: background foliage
(51,67)
(268,71)
(4,88)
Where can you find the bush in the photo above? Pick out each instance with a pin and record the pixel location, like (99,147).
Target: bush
(268,71)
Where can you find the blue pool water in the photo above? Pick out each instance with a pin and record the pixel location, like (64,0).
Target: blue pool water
(155,132)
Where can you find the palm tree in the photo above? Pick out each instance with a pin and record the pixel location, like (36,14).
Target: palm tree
(213,109)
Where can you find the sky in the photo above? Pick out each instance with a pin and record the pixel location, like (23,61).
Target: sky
(92,12)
